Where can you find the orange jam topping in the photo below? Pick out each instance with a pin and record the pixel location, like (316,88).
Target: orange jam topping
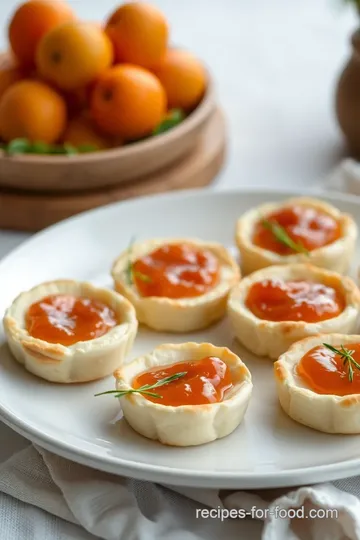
(278,300)
(176,271)
(206,381)
(67,319)
(324,371)
(306,226)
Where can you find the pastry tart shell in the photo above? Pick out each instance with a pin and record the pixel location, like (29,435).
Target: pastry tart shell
(185,425)
(183,314)
(335,256)
(83,361)
(269,338)
(327,413)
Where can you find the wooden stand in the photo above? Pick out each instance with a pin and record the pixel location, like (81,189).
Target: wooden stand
(25,211)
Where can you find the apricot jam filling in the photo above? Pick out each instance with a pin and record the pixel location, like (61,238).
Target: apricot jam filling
(67,319)
(279,300)
(325,371)
(205,381)
(306,226)
(176,271)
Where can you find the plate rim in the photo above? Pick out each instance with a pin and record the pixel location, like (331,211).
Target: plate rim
(174,475)
(207,191)
(182,477)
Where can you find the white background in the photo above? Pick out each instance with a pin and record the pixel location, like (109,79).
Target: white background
(275,63)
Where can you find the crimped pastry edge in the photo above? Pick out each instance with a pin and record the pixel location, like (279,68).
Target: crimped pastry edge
(186,425)
(178,315)
(83,361)
(326,413)
(335,256)
(269,338)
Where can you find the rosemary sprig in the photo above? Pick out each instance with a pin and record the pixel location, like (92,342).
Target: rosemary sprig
(141,276)
(130,272)
(347,358)
(282,236)
(144,390)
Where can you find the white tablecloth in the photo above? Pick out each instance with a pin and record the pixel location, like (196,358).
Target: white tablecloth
(275,63)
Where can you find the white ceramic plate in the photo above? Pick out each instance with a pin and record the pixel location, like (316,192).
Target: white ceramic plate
(267,450)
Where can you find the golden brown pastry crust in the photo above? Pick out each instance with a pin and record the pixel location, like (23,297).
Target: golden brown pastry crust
(186,425)
(269,338)
(83,361)
(335,256)
(327,413)
(184,314)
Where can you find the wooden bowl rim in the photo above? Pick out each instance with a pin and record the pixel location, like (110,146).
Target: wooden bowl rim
(194,118)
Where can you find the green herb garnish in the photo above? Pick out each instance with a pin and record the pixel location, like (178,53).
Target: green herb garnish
(282,236)
(130,272)
(17,146)
(39,147)
(86,148)
(172,119)
(24,146)
(141,276)
(144,390)
(70,150)
(347,357)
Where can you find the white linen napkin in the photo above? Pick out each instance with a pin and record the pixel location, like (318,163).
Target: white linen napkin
(45,497)
(345,177)
(87,504)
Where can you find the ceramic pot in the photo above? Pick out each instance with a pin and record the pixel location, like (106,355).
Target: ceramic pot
(348,98)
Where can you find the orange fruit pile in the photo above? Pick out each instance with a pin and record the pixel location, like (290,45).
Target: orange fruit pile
(83,83)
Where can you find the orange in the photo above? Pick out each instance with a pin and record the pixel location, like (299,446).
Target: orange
(74,54)
(33,110)
(139,33)
(10,73)
(80,131)
(31,21)
(183,77)
(128,101)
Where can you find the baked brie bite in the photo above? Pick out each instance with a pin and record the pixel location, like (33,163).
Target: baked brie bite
(194,393)
(68,332)
(176,285)
(297,230)
(318,382)
(274,307)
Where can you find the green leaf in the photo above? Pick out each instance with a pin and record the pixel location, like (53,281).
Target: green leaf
(130,272)
(172,119)
(349,361)
(146,387)
(65,149)
(282,236)
(167,380)
(57,150)
(24,146)
(129,268)
(39,147)
(18,146)
(86,148)
(141,276)
(70,150)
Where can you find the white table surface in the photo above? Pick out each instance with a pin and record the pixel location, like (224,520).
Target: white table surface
(275,63)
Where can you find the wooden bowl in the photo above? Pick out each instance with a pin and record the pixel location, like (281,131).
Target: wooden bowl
(106,167)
